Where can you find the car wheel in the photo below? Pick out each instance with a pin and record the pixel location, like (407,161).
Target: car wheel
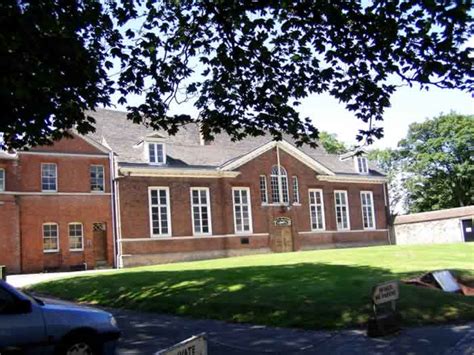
(78,346)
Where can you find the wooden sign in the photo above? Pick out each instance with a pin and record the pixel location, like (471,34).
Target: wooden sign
(385,292)
(282,221)
(196,345)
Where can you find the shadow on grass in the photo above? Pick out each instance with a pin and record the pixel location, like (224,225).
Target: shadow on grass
(305,295)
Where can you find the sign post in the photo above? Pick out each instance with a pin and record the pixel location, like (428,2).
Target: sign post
(385,319)
(196,345)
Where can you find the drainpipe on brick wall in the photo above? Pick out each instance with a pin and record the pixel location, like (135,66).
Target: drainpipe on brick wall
(112,201)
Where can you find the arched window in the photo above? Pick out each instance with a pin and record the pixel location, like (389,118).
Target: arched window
(279,185)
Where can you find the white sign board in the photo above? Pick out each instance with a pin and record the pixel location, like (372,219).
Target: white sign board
(446,280)
(196,345)
(385,292)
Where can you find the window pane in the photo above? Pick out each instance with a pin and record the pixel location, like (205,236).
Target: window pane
(159,211)
(316,209)
(75,236)
(97,178)
(2,180)
(263,189)
(242,211)
(48,177)
(342,211)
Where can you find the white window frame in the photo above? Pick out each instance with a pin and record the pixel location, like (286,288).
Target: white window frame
(55,177)
(207,204)
(336,206)
(69,236)
(249,204)
(2,179)
(296,190)
(168,211)
(57,237)
(361,164)
(281,185)
(103,177)
(372,209)
(315,205)
(263,190)
(163,146)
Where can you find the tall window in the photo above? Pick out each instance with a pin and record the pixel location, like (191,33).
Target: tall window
(316,209)
(368,214)
(2,179)
(76,237)
(97,178)
(201,211)
(296,190)
(362,165)
(156,153)
(263,189)
(49,177)
(160,219)
(50,237)
(342,210)
(279,184)
(242,210)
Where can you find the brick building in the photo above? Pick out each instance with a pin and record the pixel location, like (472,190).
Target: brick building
(171,198)
(181,198)
(56,207)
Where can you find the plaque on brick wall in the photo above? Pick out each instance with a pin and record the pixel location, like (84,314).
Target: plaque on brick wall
(282,221)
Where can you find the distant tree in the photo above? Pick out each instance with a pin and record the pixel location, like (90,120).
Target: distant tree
(246,64)
(437,158)
(331,144)
(388,160)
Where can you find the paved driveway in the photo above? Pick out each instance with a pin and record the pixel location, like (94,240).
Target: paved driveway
(145,333)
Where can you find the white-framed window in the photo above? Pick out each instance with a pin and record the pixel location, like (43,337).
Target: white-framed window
(316,209)
(76,236)
(342,210)
(242,210)
(296,190)
(2,179)
(263,189)
(361,163)
(50,237)
(49,177)
(279,185)
(156,153)
(368,212)
(160,218)
(97,178)
(201,211)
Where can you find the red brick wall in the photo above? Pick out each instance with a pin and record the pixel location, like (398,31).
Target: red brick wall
(36,210)
(69,145)
(135,209)
(73,172)
(24,175)
(9,234)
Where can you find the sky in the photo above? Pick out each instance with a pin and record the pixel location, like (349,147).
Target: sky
(408,105)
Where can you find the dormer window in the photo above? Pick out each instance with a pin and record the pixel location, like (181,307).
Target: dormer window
(156,153)
(362,166)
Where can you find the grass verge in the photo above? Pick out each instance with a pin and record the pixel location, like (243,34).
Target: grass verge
(317,289)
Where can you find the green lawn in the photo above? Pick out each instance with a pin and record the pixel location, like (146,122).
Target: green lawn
(315,289)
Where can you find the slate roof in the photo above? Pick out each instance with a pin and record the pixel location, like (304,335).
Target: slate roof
(185,151)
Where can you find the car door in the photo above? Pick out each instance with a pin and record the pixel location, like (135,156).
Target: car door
(20,330)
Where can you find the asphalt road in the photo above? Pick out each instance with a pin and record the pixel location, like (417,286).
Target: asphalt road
(147,333)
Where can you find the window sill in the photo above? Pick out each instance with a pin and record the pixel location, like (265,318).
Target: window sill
(75,250)
(275,205)
(50,191)
(51,251)
(159,236)
(297,204)
(97,191)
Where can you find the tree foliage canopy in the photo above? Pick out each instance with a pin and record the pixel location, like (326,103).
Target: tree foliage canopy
(433,167)
(245,64)
(438,156)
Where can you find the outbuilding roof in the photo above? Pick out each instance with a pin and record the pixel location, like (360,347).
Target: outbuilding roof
(436,215)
